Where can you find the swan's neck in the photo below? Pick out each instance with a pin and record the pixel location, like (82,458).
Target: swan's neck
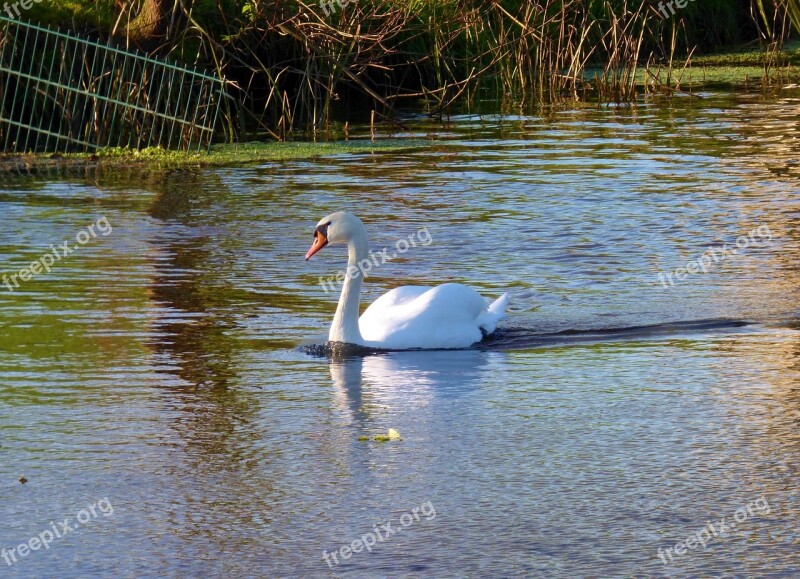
(345,321)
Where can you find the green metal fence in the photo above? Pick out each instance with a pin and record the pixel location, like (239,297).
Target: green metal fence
(62,92)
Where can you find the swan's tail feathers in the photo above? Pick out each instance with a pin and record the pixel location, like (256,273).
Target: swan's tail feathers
(498,306)
(496,312)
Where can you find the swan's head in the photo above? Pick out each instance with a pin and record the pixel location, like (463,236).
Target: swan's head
(339,227)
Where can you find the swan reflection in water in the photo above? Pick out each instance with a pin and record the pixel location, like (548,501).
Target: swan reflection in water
(392,383)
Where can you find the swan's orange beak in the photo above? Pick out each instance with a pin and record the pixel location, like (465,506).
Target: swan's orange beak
(320,241)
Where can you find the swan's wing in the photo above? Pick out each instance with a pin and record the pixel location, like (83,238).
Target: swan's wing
(446,316)
(397,297)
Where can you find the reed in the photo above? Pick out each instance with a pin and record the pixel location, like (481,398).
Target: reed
(376,54)
(297,65)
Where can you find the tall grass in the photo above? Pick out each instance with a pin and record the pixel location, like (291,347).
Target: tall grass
(294,65)
(774,16)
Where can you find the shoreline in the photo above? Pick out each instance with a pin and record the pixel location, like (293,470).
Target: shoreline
(220,155)
(735,72)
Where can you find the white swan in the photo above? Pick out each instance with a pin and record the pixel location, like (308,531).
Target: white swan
(446,316)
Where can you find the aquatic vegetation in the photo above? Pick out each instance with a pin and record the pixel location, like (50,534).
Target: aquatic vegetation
(299,66)
(221,154)
(391,434)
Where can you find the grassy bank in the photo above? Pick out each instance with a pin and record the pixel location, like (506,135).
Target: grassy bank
(729,70)
(219,155)
(732,69)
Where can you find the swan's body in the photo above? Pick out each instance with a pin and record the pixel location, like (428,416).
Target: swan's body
(446,316)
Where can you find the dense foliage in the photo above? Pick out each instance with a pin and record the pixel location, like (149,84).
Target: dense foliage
(294,64)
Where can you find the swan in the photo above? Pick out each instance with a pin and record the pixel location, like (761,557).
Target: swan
(451,315)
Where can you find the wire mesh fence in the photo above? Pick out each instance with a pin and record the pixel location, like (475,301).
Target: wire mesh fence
(62,92)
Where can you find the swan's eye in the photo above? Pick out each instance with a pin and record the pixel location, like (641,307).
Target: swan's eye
(322,230)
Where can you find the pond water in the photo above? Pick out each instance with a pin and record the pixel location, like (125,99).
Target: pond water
(158,391)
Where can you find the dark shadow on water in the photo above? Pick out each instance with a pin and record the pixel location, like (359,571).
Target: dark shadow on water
(520,338)
(525,338)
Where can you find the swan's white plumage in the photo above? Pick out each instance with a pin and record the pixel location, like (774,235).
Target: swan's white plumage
(446,316)
(451,315)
